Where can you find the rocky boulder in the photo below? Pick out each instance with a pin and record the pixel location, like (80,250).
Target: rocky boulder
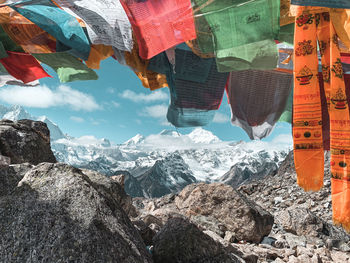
(215,207)
(25,141)
(57,213)
(303,222)
(238,214)
(180,241)
(10,176)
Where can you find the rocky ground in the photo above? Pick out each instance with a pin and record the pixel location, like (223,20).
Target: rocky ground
(52,212)
(298,229)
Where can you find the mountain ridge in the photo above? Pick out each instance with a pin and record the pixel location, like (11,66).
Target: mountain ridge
(199,154)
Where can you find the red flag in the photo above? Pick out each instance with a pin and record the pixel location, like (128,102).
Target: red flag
(160,25)
(23,66)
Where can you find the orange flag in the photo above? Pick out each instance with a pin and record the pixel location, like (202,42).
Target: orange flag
(307,111)
(339,137)
(307,119)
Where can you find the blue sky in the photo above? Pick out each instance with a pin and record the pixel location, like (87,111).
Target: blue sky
(116,106)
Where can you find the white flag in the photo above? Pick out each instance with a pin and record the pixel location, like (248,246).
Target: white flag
(106,21)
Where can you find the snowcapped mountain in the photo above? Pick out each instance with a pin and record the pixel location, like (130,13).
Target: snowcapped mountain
(137,139)
(55,131)
(166,162)
(166,176)
(15,113)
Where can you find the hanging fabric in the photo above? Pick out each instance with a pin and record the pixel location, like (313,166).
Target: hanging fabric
(242,32)
(7,79)
(340,19)
(196,89)
(67,67)
(287,114)
(345,4)
(341,22)
(23,66)
(193,45)
(286,34)
(97,54)
(179,116)
(26,34)
(160,25)
(182,117)
(307,112)
(262,55)
(58,23)
(31,38)
(119,56)
(286,17)
(3,53)
(106,21)
(258,99)
(8,43)
(150,80)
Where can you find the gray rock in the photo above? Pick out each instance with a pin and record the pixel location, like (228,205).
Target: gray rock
(303,222)
(146,232)
(58,213)
(124,199)
(229,237)
(299,221)
(180,241)
(25,141)
(131,185)
(240,174)
(166,176)
(237,213)
(269,241)
(10,177)
(4,161)
(294,241)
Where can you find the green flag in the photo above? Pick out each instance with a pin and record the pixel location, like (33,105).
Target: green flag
(67,67)
(240,32)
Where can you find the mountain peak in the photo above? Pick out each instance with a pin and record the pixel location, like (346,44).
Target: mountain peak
(55,131)
(200,135)
(16,112)
(170,133)
(137,139)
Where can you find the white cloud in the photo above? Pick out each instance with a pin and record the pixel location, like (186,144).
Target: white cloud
(84,140)
(221,118)
(76,119)
(158,95)
(156,111)
(115,104)
(44,97)
(283,139)
(110,90)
